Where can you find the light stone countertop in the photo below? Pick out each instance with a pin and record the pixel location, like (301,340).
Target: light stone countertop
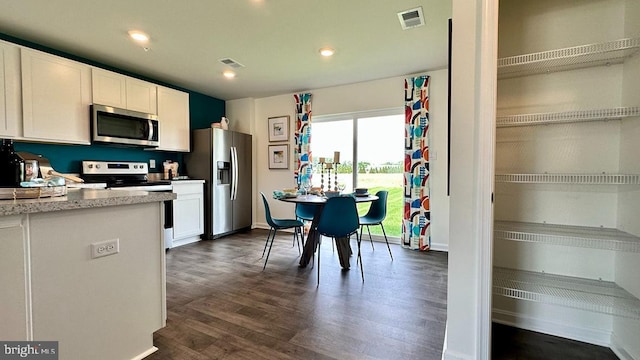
(81,199)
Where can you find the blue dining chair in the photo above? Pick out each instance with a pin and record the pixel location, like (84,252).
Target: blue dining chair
(375,216)
(279,224)
(339,219)
(305,212)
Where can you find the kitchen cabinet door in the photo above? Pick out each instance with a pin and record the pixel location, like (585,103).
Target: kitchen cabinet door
(13,280)
(10,110)
(117,90)
(56,93)
(188,211)
(109,88)
(173,115)
(141,96)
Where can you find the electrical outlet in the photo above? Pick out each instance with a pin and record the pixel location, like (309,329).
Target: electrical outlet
(152,164)
(104,248)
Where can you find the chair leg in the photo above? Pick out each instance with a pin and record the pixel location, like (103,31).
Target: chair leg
(333,249)
(387,240)
(299,235)
(359,240)
(269,252)
(370,238)
(266,242)
(318,261)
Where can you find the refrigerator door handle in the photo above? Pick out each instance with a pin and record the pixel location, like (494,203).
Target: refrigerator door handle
(234,172)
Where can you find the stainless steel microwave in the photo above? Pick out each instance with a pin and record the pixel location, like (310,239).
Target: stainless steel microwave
(120,126)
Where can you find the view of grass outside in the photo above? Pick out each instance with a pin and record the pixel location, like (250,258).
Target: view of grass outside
(392,182)
(395,203)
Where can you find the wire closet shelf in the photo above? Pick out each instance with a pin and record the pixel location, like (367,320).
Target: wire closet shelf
(591,295)
(570,58)
(566,235)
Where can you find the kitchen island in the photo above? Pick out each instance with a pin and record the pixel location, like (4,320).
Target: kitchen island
(86,269)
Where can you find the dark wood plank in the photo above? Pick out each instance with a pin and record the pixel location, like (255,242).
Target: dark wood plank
(513,343)
(222,305)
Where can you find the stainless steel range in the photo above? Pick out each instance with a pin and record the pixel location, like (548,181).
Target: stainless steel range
(130,175)
(124,175)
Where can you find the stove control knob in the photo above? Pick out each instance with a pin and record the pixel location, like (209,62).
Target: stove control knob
(90,166)
(97,166)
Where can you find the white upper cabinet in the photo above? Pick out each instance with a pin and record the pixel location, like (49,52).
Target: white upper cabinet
(173,116)
(10,109)
(117,90)
(142,96)
(56,94)
(109,88)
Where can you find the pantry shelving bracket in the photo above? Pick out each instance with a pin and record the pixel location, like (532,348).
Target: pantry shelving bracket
(570,58)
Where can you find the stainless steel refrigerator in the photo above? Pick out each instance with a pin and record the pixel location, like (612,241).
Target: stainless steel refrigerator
(223,159)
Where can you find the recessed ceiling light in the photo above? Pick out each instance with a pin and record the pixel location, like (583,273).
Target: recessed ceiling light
(327,51)
(229,74)
(138,36)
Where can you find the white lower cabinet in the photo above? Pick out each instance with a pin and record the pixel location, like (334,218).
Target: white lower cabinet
(53,289)
(188,211)
(13,280)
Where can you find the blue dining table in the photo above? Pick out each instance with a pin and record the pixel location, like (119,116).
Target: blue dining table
(313,238)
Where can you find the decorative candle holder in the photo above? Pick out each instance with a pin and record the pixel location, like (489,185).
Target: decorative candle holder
(321,162)
(328,179)
(335,177)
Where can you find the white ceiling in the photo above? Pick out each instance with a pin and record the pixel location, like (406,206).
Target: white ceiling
(276,40)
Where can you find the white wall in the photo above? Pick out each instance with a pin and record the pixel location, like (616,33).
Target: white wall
(626,332)
(472,141)
(372,95)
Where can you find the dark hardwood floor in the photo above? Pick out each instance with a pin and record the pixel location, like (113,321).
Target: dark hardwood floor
(222,305)
(510,343)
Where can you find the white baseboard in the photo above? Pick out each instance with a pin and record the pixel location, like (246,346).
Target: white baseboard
(146,353)
(189,240)
(618,348)
(439,247)
(450,355)
(588,335)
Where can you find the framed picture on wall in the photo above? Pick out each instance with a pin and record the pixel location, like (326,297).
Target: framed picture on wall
(279,156)
(279,128)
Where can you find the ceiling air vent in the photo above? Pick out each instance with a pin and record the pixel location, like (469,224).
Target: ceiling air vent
(230,62)
(411,18)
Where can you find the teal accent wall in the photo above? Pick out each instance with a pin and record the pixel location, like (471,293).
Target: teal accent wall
(67,158)
(203,111)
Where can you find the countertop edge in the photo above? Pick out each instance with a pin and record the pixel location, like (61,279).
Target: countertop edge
(81,199)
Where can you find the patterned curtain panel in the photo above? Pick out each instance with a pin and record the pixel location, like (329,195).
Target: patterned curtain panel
(302,149)
(416,231)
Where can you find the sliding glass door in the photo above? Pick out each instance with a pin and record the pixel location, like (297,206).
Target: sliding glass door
(371,156)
